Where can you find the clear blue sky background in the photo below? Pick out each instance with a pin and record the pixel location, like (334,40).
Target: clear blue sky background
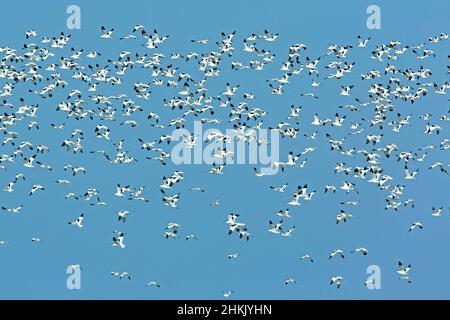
(200,269)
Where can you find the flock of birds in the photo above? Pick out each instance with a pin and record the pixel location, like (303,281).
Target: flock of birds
(75,81)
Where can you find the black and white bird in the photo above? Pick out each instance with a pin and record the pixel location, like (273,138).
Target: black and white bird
(336,252)
(403,272)
(121,275)
(280,188)
(415,225)
(122,215)
(306,257)
(336,280)
(118,240)
(35,188)
(13,210)
(362,43)
(290,281)
(78,222)
(106,34)
(361,250)
(153,284)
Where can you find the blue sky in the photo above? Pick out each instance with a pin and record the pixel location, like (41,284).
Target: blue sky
(200,269)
